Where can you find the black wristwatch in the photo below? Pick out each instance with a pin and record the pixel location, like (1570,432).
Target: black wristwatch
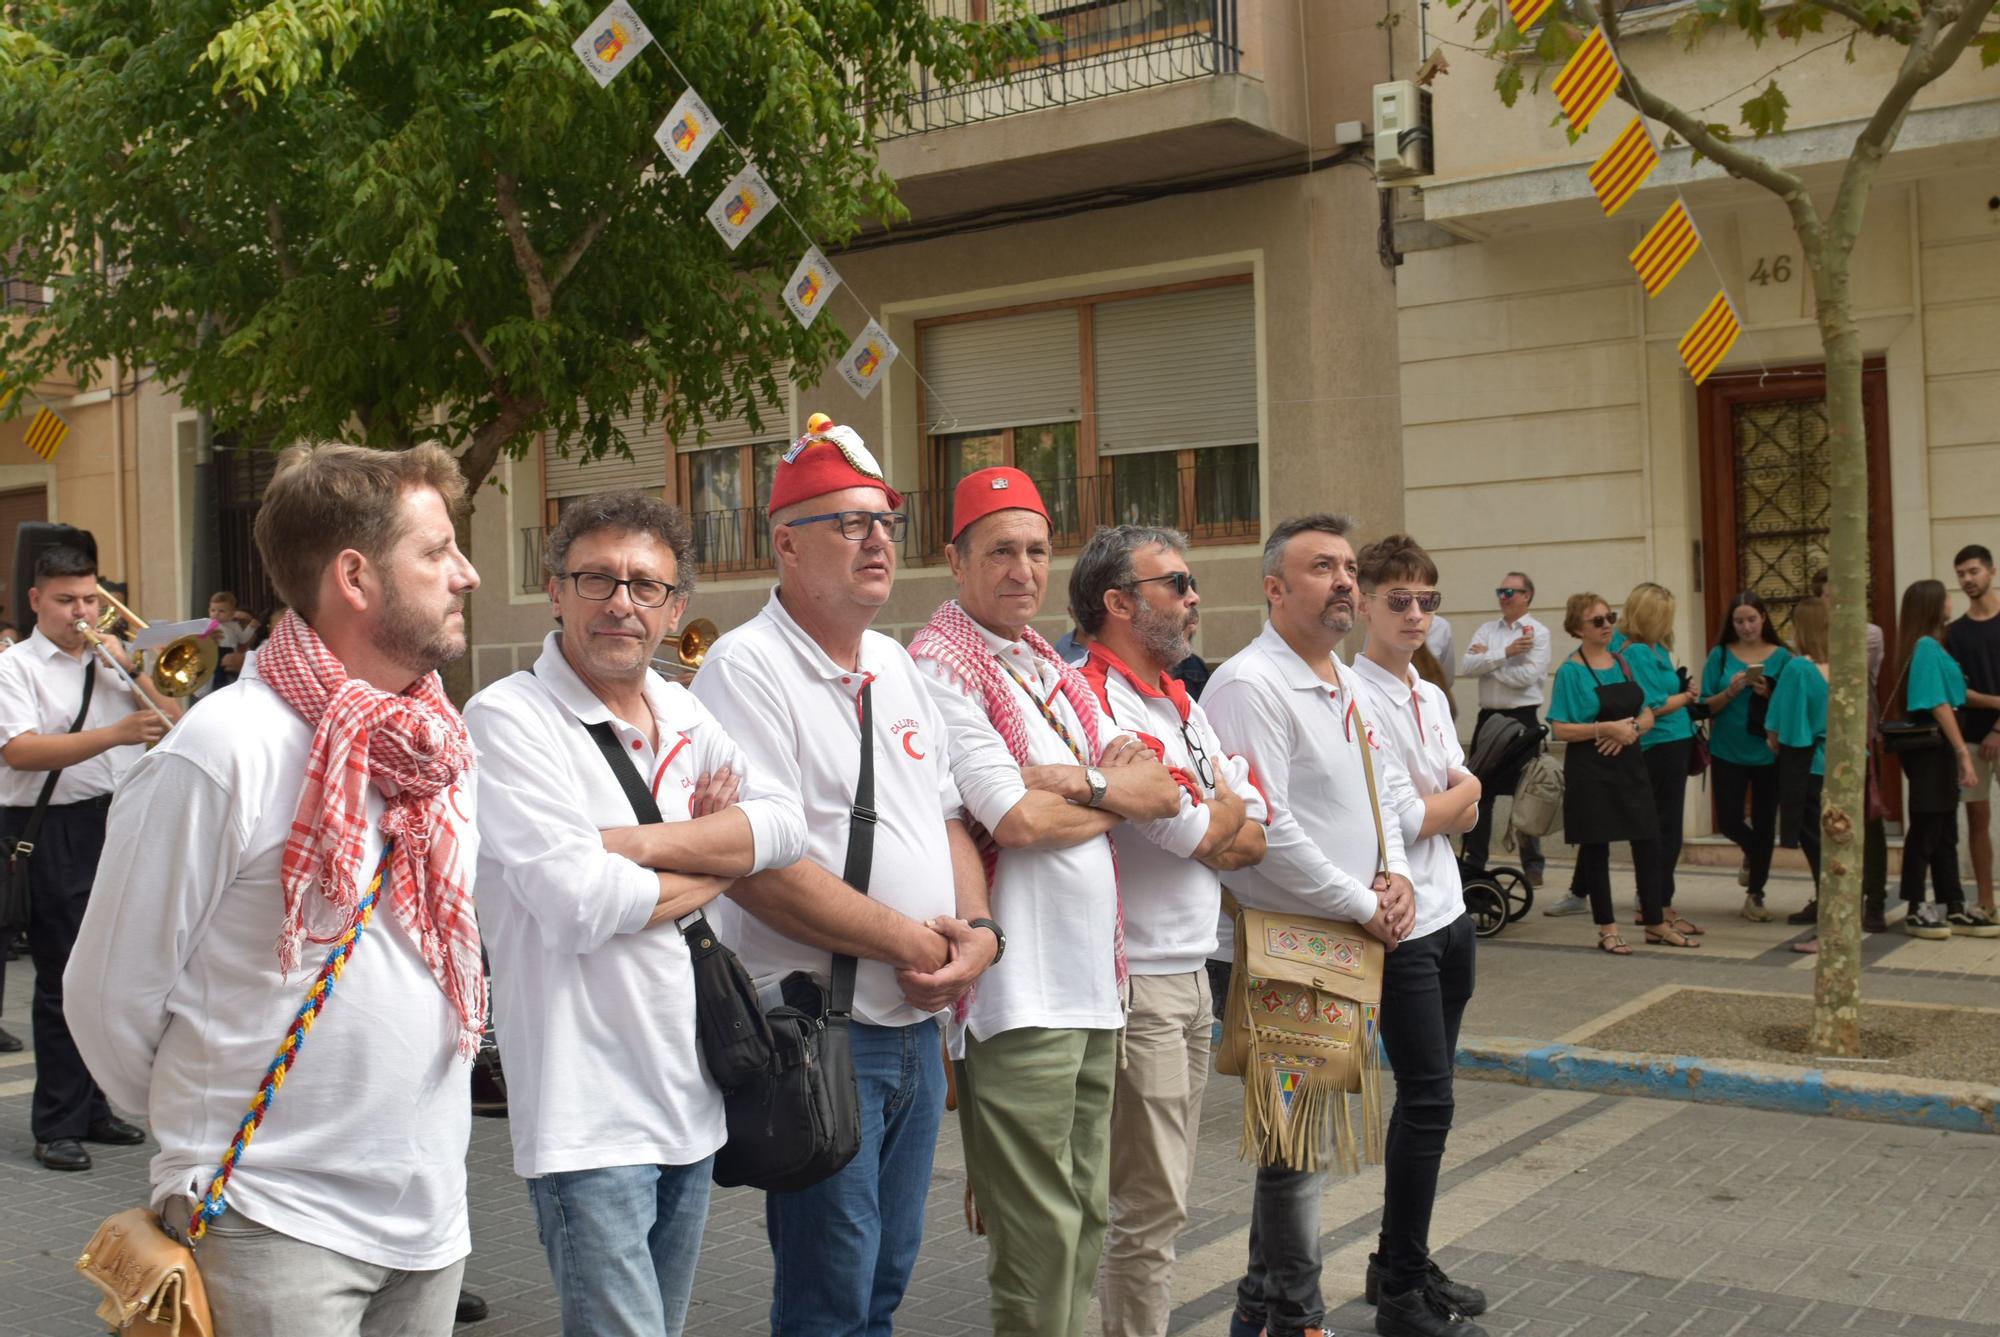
(998,936)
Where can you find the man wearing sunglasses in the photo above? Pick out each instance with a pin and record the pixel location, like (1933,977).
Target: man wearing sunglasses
(1510,657)
(1133,596)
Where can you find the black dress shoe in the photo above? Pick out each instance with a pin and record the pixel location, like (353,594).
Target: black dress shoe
(65,1153)
(9,1043)
(115,1132)
(1809,915)
(470,1308)
(1423,1312)
(1468,1300)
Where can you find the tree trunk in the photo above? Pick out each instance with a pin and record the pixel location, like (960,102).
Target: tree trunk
(1836,1025)
(475,464)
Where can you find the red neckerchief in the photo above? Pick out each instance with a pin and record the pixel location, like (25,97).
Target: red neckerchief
(1098,668)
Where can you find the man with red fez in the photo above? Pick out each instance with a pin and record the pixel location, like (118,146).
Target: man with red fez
(1132,594)
(1044,781)
(807,690)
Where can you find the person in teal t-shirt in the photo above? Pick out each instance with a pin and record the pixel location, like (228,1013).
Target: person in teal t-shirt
(1736,686)
(1930,683)
(1646,640)
(1795,731)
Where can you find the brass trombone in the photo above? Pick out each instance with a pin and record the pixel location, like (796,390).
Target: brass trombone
(688,649)
(180,667)
(96,639)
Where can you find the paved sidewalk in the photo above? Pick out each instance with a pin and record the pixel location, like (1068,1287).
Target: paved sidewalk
(1583,1216)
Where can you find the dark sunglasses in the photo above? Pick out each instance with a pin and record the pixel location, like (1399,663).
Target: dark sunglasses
(599,586)
(1184,583)
(1399,601)
(1603,620)
(1507,592)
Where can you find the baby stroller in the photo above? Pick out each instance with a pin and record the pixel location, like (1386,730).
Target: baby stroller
(1499,894)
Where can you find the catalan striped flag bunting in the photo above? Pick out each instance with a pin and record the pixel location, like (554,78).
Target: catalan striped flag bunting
(1667,246)
(1709,339)
(1588,81)
(1525,12)
(1624,167)
(46,433)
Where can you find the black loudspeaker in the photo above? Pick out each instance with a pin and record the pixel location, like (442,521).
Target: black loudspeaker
(31,540)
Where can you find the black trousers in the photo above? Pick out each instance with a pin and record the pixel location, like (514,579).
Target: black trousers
(67,1100)
(1799,796)
(1759,784)
(1930,846)
(1667,769)
(1426,984)
(1480,838)
(1593,882)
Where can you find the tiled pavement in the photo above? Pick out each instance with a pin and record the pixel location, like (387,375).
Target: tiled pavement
(1582,1216)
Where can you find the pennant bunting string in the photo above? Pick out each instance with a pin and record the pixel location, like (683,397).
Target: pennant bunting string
(1710,338)
(1624,167)
(1588,80)
(1666,248)
(1525,12)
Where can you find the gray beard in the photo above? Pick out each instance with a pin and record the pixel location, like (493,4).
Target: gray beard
(1163,634)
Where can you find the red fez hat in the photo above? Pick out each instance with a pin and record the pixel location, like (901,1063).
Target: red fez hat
(826,459)
(985,491)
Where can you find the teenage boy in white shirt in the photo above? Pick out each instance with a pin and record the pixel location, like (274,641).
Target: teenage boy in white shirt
(615,1127)
(1510,657)
(1132,594)
(1427,980)
(246,841)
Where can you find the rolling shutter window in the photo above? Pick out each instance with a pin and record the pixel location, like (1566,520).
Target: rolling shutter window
(775,416)
(574,476)
(1177,371)
(1012,371)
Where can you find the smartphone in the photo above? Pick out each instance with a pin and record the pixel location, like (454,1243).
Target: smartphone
(1753,670)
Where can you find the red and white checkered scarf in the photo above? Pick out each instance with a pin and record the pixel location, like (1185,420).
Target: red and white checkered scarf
(412,747)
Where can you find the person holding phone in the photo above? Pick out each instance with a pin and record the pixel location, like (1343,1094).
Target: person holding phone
(1736,686)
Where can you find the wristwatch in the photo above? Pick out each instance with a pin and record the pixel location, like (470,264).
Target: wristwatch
(998,936)
(1099,786)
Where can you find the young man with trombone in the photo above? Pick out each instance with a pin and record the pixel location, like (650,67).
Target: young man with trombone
(72,722)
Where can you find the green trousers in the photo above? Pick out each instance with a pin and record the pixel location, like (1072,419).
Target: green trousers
(1034,1108)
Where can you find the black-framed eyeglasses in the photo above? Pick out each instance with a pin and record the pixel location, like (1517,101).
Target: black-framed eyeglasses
(600,586)
(1183,582)
(1204,770)
(1603,620)
(1507,592)
(1399,600)
(855,525)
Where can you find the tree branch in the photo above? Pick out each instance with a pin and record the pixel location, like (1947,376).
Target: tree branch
(507,197)
(480,351)
(493,437)
(599,221)
(274,223)
(1902,30)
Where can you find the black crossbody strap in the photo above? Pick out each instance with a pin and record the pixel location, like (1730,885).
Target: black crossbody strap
(860,844)
(694,927)
(24,844)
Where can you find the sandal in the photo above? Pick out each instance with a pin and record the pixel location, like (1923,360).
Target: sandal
(1686,927)
(1612,943)
(1665,935)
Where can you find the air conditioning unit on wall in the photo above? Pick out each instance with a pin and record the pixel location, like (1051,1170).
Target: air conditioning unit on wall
(1402,131)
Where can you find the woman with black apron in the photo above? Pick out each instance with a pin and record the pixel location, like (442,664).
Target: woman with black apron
(1600,712)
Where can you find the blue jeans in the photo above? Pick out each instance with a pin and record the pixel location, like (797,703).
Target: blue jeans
(622,1244)
(843,1249)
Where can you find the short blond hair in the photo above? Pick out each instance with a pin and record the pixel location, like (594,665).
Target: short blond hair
(1649,615)
(1574,610)
(325,499)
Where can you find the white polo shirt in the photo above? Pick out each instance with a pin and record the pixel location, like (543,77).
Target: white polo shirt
(796,715)
(175,999)
(1172,899)
(41,685)
(1300,736)
(1507,682)
(1059,907)
(595,1010)
(1414,719)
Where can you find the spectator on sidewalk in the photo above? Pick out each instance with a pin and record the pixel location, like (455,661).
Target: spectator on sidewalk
(1438,644)
(236,631)
(1736,687)
(1874,833)
(1510,657)
(1599,710)
(1647,642)
(1795,732)
(1974,641)
(1930,683)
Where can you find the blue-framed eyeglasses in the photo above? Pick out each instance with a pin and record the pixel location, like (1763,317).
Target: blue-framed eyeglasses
(855,525)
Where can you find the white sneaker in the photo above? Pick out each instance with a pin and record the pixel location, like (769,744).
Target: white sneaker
(1754,911)
(1571,904)
(1926,922)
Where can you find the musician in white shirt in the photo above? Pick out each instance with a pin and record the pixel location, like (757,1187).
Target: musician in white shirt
(1510,657)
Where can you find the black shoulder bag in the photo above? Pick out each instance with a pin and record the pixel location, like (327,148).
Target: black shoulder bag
(14,903)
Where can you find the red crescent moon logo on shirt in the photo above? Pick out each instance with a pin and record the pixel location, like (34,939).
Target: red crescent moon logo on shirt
(452,793)
(910,746)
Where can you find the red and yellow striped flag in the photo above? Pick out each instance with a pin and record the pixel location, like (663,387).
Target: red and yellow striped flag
(1588,81)
(1624,166)
(1709,339)
(1525,12)
(46,433)
(1667,245)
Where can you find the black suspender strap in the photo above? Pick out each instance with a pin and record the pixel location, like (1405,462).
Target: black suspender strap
(24,844)
(860,845)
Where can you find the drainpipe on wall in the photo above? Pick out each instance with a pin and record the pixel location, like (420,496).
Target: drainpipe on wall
(118,472)
(205,543)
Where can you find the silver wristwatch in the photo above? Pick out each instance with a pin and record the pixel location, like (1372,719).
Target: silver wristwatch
(1099,786)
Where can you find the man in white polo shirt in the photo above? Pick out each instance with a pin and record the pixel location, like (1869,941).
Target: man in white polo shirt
(615,1120)
(1132,594)
(1045,780)
(1510,657)
(1293,711)
(1427,980)
(795,686)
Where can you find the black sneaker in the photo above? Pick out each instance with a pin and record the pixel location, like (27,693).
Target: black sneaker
(1925,921)
(1809,915)
(1874,920)
(471,1309)
(1423,1312)
(1973,922)
(1470,1300)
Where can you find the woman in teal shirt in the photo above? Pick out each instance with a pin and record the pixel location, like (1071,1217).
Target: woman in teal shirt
(1930,682)
(1796,734)
(1646,640)
(1736,684)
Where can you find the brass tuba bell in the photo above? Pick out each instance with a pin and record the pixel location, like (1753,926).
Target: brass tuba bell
(180,667)
(687,650)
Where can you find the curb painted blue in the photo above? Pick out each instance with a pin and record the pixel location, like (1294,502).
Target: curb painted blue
(1956,1107)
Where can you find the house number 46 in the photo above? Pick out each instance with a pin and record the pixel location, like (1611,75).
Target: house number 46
(1771,270)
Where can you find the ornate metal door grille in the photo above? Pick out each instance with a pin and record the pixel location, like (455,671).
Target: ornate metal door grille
(1782,499)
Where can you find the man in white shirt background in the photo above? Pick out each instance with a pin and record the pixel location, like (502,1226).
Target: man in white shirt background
(1292,710)
(1133,595)
(42,685)
(247,841)
(1042,775)
(615,1120)
(1510,657)
(1427,980)
(794,687)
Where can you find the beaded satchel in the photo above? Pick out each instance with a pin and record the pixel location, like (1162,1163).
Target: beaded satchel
(150,1283)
